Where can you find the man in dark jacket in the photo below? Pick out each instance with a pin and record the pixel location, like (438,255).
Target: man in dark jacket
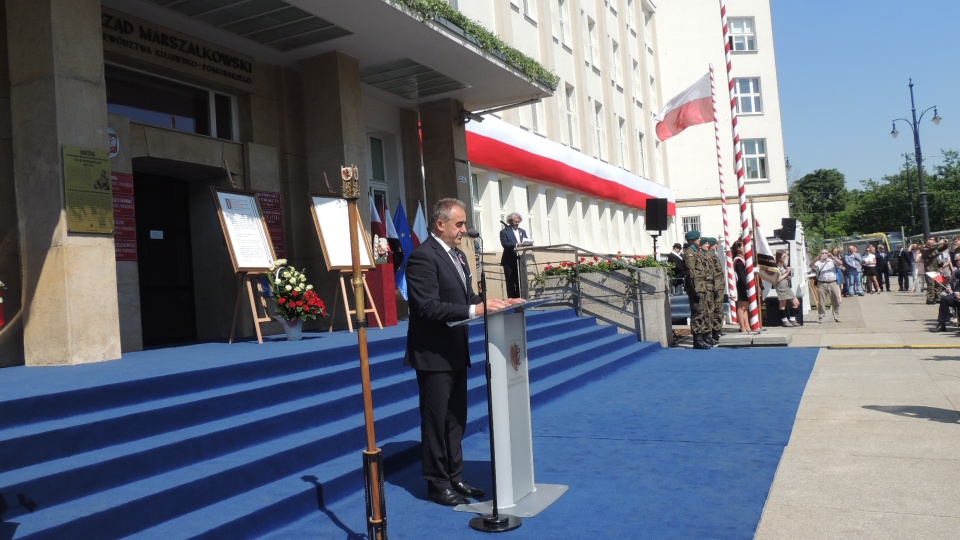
(440,291)
(679,268)
(904,267)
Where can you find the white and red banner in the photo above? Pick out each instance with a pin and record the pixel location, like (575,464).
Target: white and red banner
(497,145)
(688,108)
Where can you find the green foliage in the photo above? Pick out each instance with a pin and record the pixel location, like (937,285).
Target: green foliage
(485,39)
(822,192)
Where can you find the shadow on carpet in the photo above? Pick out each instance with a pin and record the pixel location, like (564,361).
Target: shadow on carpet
(681,444)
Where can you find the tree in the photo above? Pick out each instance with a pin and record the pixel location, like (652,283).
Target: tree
(818,199)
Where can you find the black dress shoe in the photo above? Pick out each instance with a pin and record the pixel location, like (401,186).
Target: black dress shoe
(446,497)
(942,327)
(467,490)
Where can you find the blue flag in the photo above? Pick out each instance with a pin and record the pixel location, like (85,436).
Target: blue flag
(406,242)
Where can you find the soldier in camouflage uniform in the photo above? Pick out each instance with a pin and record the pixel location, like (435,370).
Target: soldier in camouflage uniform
(695,285)
(716,327)
(709,305)
(930,254)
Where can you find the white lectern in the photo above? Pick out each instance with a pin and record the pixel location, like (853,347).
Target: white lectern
(516,492)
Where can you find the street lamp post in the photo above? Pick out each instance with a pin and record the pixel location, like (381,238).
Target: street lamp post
(906,171)
(915,125)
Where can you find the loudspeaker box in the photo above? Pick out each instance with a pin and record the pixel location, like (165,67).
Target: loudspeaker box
(789,229)
(656,219)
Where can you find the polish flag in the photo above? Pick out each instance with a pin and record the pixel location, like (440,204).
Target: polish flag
(376,224)
(419,227)
(691,107)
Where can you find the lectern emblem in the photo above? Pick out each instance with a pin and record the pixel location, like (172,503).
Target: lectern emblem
(515,356)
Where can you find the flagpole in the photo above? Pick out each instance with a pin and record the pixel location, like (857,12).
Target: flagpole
(758,280)
(741,187)
(725,241)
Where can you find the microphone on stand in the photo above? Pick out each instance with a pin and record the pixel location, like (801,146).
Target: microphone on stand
(475,234)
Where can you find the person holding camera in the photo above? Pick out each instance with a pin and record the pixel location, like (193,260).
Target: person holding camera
(825,268)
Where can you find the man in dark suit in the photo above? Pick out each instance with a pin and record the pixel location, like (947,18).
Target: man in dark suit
(904,267)
(679,268)
(511,261)
(440,291)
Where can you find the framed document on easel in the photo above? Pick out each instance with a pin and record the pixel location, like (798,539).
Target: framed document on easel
(251,251)
(330,216)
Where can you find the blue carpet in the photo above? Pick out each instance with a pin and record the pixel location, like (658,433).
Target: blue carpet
(679,444)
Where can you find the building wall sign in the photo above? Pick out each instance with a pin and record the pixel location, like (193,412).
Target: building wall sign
(136,38)
(88,190)
(124,218)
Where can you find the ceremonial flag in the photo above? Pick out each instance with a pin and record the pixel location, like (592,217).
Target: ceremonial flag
(420,231)
(765,257)
(402,228)
(376,224)
(691,107)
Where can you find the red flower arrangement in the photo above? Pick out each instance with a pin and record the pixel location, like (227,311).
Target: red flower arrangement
(295,298)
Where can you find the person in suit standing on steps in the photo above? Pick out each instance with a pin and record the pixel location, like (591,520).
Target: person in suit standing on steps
(511,260)
(440,291)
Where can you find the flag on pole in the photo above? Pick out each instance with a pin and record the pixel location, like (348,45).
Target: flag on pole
(765,258)
(688,108)
(392,237)
(402,228)
(420,232)
(376,224)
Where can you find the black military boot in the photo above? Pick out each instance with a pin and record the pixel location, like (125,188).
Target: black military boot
(700,342)
(716,336)
(705,337)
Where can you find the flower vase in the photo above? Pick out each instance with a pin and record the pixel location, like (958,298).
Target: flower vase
(294,328)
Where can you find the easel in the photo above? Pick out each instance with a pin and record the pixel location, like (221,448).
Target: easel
(344,276)
(249,278)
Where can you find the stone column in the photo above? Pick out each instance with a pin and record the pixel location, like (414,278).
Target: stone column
(334,136)
(445,154)
(57,98)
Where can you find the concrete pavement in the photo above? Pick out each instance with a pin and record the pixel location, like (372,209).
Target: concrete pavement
(875,449)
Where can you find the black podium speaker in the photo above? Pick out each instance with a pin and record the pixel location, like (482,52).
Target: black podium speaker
(789,229)
(656,219)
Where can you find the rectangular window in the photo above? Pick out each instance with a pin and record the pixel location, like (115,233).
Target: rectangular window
(755,158)
(617,71)
(691,223)
(622,142)
(570,104)
(630,21)
(563,22)
(635,81)
(377,171)
(162,102)
(747,92)
(530,9)
(599,140)
(643,154)
(594,56)
(477,206)
(537,119)
(743,37)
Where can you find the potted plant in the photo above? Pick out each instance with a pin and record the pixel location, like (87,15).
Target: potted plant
(296,299)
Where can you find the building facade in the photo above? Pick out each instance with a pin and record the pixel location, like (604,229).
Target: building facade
(273,96)
(691,40)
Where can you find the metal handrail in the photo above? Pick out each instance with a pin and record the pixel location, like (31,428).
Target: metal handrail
(578,253)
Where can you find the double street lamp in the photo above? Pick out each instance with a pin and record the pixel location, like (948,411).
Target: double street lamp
(915,125)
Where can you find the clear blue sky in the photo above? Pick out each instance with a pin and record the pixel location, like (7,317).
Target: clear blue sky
(843,68)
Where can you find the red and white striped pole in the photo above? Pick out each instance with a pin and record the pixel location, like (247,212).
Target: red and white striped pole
(725,241)
(742,193)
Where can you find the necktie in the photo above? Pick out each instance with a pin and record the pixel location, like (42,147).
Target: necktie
(458,262)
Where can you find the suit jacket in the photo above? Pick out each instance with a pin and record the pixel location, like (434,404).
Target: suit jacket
(509,242)
(437,296)
(679,267)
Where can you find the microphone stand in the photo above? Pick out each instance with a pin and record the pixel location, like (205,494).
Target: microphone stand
(494,522)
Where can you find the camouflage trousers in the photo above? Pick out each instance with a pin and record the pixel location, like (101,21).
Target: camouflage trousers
(717,319)
(699,321)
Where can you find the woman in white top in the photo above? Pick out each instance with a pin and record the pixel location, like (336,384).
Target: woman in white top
(870,270)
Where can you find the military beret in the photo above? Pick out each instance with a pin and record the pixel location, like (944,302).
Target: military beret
(710,240)
(692,236)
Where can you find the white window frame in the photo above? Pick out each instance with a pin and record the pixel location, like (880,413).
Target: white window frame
(600,139)
(630,20)
(641,146)
(617,70)
(691,223)
(622,142)
(570,104)
(749,99)
(743,34)
(755,159)
(563,22)
(530,9)
(538,120)
(594,56)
